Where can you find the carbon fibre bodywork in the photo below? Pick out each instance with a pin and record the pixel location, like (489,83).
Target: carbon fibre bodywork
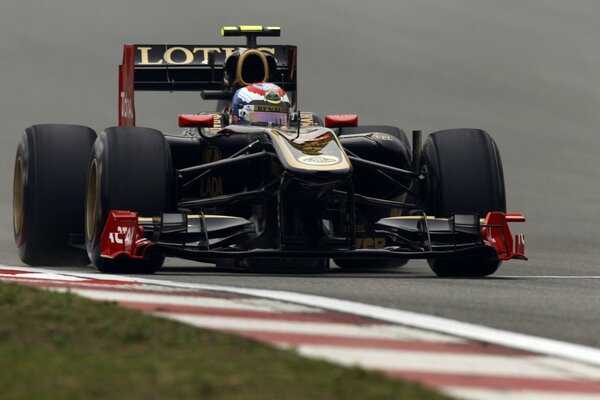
(282,193)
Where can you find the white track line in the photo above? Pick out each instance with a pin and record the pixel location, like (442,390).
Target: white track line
(520,341)
(248,304)
(48,277)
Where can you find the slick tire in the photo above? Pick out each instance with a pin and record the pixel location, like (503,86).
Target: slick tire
(49,193)
(464,175)
(130,169)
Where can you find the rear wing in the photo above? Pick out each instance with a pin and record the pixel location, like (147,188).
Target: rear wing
(203,68)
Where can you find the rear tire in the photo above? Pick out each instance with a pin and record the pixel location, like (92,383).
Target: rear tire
(464,176)
(49,193)
(129,169)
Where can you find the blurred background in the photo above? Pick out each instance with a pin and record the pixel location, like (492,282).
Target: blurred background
(528,72)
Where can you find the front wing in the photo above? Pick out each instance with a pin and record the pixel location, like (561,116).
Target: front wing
(210,237)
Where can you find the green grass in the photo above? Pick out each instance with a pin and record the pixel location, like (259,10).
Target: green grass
(61,346)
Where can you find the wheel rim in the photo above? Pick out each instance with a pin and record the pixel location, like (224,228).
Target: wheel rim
(91,200)
(18,196)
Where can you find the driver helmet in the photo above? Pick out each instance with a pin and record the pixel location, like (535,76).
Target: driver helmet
(263,104)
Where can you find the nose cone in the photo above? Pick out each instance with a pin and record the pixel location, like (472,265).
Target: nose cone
(313,151)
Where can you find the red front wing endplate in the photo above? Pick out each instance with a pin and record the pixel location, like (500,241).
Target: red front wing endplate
(123,236)
(496,233)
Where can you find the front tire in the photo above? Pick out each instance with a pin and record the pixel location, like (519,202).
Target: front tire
(49,193)
(129,169)
(463,176)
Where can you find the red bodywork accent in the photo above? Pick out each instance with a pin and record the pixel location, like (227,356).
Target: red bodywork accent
(196,121)
(497,234)
(122,236)
(255,88)
(340,121)
(126,87)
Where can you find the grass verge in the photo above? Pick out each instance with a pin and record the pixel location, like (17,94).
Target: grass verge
(62,346)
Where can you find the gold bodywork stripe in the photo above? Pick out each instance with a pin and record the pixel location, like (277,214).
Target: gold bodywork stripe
(190,216)
(240,64)
(287,154)
(415,217)
(198,216)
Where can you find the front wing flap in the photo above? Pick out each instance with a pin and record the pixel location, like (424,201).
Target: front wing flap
(201,237)
(459,231)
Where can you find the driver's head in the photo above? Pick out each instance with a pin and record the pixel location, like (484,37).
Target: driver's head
(262,104)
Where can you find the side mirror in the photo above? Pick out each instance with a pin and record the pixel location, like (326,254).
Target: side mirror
(341,121)
(196,121)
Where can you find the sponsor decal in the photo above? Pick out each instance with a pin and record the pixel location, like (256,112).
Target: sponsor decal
(213,185)
(319,160)
(118,237)
(211,154)
(273,97)
(273,109)
(383,136)
(370,243)
(183,55)
(126,107)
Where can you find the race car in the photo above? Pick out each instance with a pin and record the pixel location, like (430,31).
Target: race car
(258,184)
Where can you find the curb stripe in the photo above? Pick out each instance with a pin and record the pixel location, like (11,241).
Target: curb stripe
(528,343)
(11,271)
(485,394)
(135,289)
(550,347)
(327,317)
(295,339)
(397,343)
(498,382)
(164,299)
(10,275)
(447,363)
(319,328)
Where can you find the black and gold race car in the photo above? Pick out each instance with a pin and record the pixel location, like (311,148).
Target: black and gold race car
(289,196)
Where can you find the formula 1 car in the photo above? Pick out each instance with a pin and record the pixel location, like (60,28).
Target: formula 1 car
(287,196)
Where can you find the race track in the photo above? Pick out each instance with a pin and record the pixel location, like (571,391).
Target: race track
(527,72)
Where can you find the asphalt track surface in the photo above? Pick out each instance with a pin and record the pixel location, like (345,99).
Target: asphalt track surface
(527,72)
